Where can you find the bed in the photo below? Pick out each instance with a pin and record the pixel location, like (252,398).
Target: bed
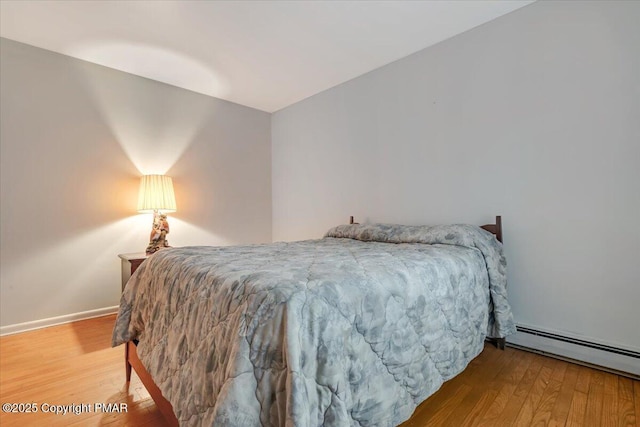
(356,328)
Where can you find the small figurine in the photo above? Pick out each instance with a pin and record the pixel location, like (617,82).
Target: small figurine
(158,239)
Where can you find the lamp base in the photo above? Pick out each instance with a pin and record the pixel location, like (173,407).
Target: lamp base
(152,248)
(158,238)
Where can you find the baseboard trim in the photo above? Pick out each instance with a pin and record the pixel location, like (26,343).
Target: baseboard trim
(612,358)
(59,320)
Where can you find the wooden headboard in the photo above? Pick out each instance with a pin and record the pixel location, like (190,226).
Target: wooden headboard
(495,228)
(491,228)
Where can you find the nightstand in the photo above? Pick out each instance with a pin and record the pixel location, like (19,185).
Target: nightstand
(130,262)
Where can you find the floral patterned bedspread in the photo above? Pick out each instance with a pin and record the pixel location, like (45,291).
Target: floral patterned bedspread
(357,328)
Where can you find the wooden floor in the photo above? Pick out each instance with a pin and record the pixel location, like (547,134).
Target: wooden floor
(74,364)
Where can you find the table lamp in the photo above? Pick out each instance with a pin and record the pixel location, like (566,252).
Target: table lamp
(156,195)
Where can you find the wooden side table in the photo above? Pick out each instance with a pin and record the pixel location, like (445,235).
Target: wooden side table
(130,262)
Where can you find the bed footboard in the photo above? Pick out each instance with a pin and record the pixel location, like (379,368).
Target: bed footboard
(163,404)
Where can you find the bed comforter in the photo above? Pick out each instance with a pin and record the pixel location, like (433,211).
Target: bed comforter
(357,328)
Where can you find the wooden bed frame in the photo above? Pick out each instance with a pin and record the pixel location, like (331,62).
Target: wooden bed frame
(133,361)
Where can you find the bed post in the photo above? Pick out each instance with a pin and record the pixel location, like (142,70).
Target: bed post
(127,364)
(500,342)
(163,404)
(495,228)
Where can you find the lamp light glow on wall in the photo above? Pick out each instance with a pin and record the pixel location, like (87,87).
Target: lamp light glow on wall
(156,195)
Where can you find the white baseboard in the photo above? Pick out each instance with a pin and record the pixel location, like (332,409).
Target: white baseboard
(610,357)
(67,318)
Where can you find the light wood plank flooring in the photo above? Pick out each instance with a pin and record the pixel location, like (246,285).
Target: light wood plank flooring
(74,364)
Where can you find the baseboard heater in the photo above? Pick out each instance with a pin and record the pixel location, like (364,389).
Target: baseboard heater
(622,361)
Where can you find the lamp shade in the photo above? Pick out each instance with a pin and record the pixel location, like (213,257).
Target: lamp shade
(156,193)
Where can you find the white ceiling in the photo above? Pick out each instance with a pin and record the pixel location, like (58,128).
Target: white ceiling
(263,54)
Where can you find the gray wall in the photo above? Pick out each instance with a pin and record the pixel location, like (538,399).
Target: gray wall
(75,138)
(534,116)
